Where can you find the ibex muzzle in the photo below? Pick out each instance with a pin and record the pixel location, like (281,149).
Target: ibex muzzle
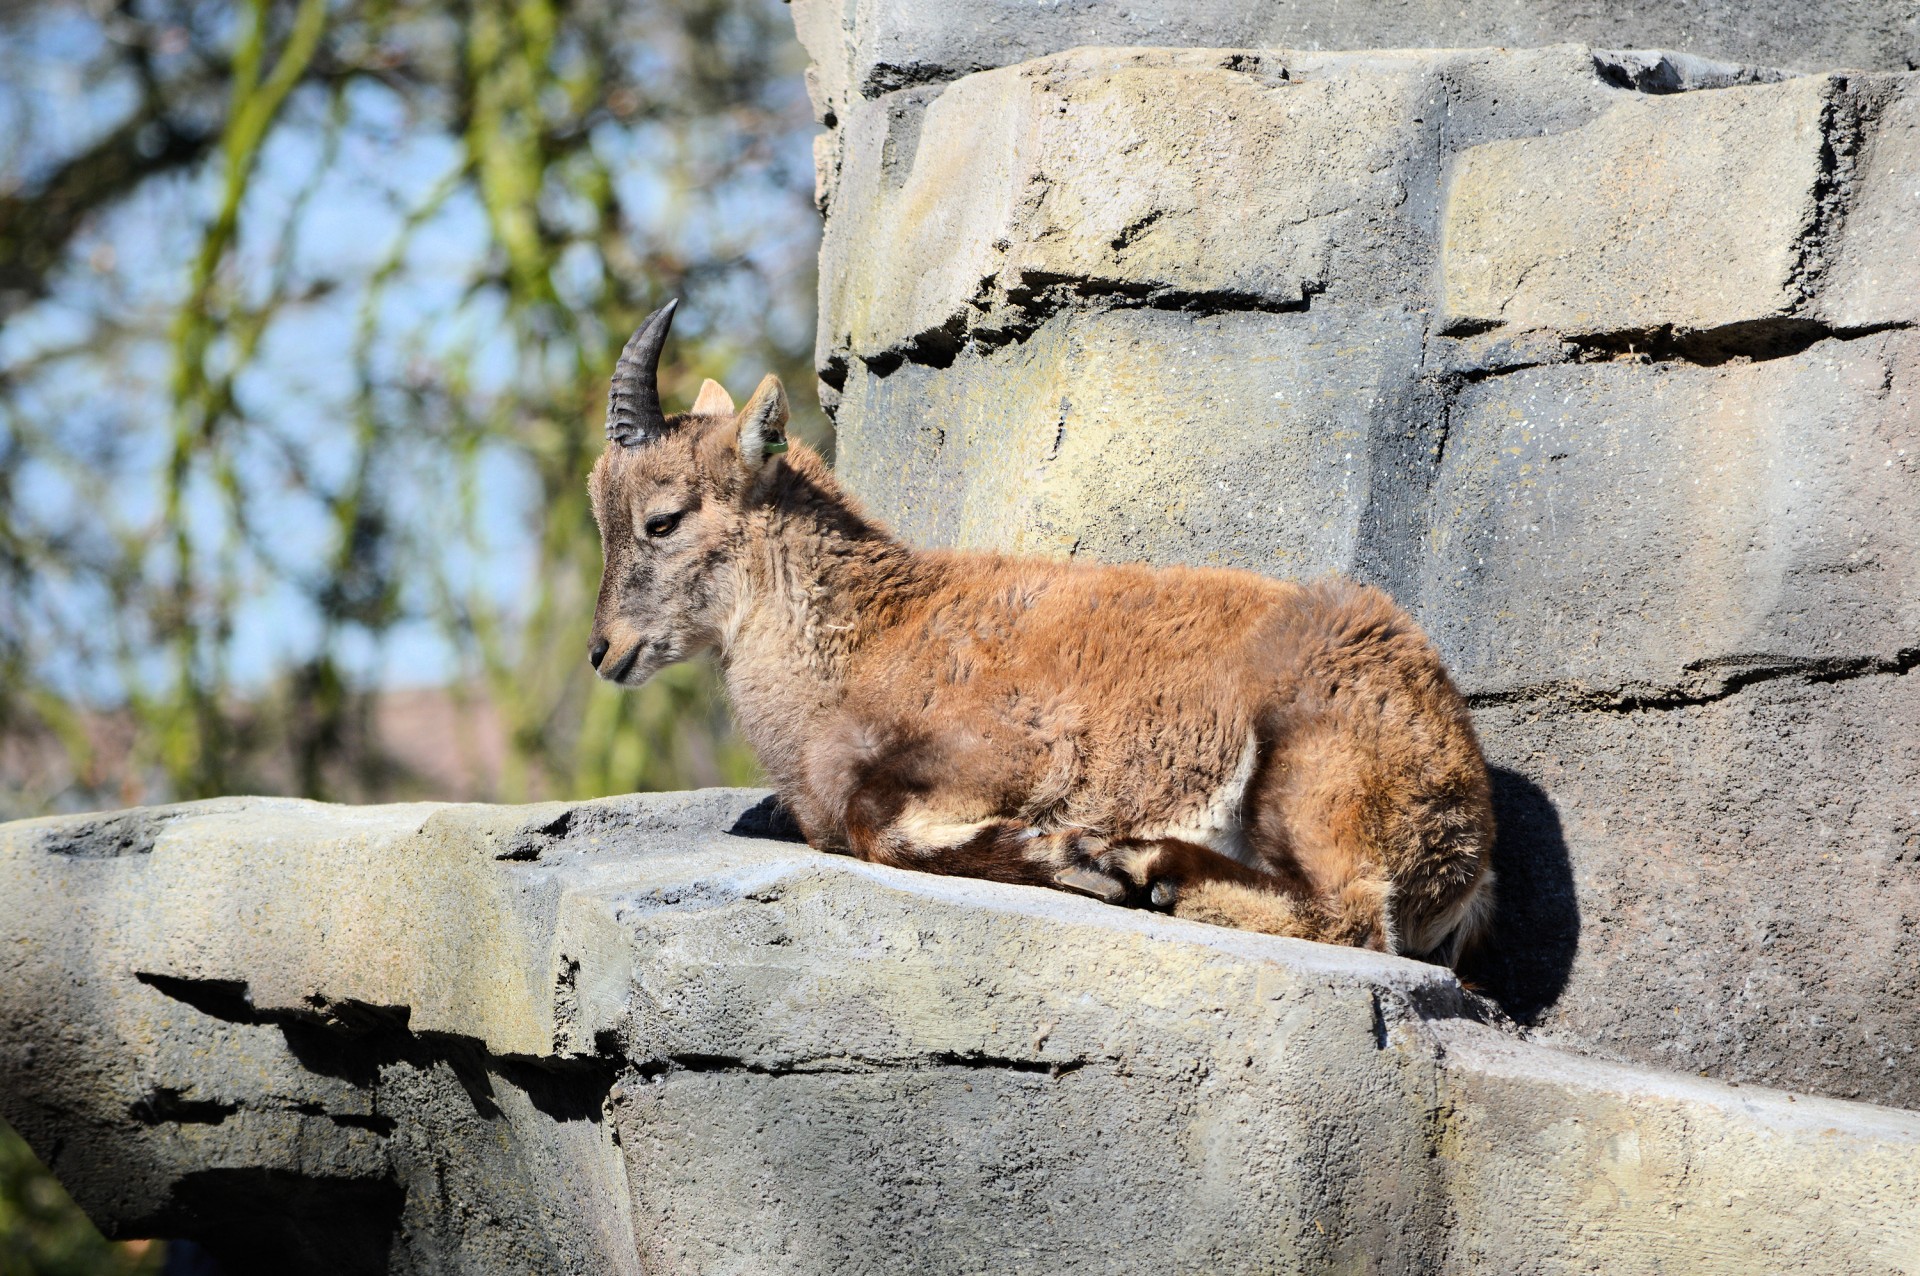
(1283,757)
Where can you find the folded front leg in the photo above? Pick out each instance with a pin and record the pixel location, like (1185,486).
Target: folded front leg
(998,850)
(1200,884)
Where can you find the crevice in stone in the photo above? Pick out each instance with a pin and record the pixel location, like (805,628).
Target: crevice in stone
(566,1002)
(1220,301)
(528,843)
(584,823)
(1136,228)
(934,348)
(1658,71)
(1752,340)
(1903,662)
(224,999)
(1630,699)
(1841,129)
(165,1105)
(1039,296)
(1022,308)
(1262,66)
(1442,432)
(833,373)
(1470,326)
(699,1062)
(357,1018)
(1439,999)
(968,1059)
(1749,341)
(353,1040)
(1473,376)
(1004,1063)
(890,77)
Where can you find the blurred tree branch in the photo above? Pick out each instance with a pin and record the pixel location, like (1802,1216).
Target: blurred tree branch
(607,150)
(35,228)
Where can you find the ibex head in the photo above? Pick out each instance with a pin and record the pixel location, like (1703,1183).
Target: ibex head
(671,495)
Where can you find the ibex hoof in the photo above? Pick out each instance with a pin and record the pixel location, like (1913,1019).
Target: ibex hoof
(1086,881)
(1163,894)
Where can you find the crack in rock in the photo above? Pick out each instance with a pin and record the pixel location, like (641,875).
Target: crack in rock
(353,1040)
(1634,699)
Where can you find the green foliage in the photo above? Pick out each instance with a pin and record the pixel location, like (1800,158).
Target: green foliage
(373,433)
(43,1233)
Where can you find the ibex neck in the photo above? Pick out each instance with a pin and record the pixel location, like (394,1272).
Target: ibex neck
(818,581)
(820,592)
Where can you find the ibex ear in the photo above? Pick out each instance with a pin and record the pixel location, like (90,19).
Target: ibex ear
(713,400)
(763,425)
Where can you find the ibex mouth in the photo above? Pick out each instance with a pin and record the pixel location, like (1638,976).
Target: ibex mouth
(620,671)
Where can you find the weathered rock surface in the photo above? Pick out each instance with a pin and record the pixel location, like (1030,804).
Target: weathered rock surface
(866,48)
(616,1037)
(1606,364)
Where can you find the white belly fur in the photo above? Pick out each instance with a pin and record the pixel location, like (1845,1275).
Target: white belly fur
(1220,824)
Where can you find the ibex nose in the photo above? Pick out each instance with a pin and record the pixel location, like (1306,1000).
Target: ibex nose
(597,651)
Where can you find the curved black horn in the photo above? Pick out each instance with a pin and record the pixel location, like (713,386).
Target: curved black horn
(633,400)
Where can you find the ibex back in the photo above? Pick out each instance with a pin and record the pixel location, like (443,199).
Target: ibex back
(1281,757)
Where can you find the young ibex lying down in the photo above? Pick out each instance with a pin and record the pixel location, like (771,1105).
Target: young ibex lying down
(1280,757)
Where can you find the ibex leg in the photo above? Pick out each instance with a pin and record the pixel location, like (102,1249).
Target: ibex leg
(1196,882)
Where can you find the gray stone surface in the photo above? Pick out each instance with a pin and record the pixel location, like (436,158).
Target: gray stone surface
(1605,364)
(1725,886)
(1661,529)
(864,48)
(617,1037)
(1578,1165)
(1690,211)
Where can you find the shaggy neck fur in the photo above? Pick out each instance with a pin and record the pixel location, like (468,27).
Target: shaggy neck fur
(815,580)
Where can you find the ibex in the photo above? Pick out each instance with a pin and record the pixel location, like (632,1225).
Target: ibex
(1280,757)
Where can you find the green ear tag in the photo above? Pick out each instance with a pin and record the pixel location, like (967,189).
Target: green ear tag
(775,447)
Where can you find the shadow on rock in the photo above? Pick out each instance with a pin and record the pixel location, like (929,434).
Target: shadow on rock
(768,818)
(258,1220)
(1525,962)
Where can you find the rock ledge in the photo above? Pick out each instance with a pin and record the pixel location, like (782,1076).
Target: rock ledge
(645,1034)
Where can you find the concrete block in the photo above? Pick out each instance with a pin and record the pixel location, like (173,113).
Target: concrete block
(1652,528)
(1873,274)
(1688,211)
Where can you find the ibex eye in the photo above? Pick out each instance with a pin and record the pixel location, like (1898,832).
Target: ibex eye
(662,524)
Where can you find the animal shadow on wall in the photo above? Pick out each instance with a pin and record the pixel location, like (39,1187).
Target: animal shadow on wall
(1527,956)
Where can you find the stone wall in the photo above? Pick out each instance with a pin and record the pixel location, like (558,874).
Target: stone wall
(1604,363)
(646,1035)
